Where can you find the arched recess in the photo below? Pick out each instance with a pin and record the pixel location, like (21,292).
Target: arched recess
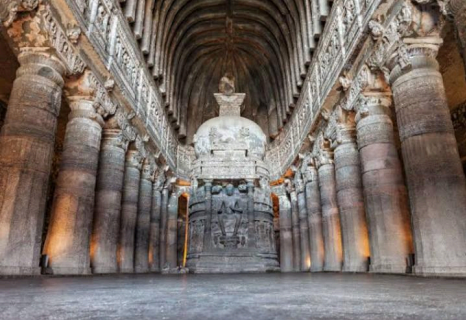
(183,225)
(276,221)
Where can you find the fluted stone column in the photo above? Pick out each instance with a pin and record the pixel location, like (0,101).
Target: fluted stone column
(141,263)
(26,151)
(129,210)
(434,175)
(286,237)
(106,227)
(385,194)
(350,198)
(330,214)
(69,233)
(154,245)
(295,229)
(163,226)
(303,225)
(172,231)
(314,210)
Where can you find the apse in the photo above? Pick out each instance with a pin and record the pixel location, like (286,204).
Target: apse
(265,45)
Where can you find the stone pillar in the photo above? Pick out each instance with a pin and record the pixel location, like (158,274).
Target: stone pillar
(141,260)
(172,231)
(208,210)
(129,210)
(434,175)
(295,227)
(69,233)
(314,210)
(303,225)
(26,151)
(154,245)
(385,194)
(330,214)
(106,228)
(286,237)
(251,215)
(350,197)
(163,225)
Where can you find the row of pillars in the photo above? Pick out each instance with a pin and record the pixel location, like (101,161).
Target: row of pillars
(109,213)
(355,210)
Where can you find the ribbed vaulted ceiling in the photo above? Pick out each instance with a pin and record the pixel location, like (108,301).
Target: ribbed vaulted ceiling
(190,44)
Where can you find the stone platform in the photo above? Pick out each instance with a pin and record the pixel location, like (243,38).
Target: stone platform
(247,296)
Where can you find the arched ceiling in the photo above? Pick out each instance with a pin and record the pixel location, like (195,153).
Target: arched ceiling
(265,44)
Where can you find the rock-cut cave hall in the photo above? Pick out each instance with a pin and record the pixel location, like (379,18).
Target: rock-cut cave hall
(203,159)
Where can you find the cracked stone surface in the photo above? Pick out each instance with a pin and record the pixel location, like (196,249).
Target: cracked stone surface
(246,296)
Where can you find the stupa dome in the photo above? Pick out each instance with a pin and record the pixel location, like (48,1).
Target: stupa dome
(230,133)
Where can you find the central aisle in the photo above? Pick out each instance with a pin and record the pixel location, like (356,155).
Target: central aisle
(246,296)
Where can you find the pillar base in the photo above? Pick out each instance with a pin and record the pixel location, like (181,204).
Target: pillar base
(126,270)
(363,268)
(389,268)
(336,268)
(104,270)
(141,270)
(71,271)
(19,271)
(439,271)
(317,269)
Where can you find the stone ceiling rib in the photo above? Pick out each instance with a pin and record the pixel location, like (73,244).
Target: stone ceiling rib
(269,42)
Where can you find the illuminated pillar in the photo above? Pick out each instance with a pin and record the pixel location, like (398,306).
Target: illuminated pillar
(350,197)
(303,226)
(106,226)
(385,194)
(129,210)
(330,214)
(68,238)
(172,231)
(143,225)
(26,151)
(286,237)
(295,229)
(434,174)
(154,245)
(314,210)
(163,225)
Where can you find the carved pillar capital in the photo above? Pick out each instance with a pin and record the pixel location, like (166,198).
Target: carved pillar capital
(148,169)
(42,32)
(322,151)
(373,104)
(38,62)
(119,129)
(159,179)
(80,92)
(408,39)
(10,8)
(134,158)
(414,53)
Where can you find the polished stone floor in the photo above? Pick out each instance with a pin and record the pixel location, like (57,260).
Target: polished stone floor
(233,297)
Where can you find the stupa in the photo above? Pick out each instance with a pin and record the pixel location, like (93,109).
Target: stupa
(230,210)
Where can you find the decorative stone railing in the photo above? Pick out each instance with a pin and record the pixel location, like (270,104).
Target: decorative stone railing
(345,29)
(107,30)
